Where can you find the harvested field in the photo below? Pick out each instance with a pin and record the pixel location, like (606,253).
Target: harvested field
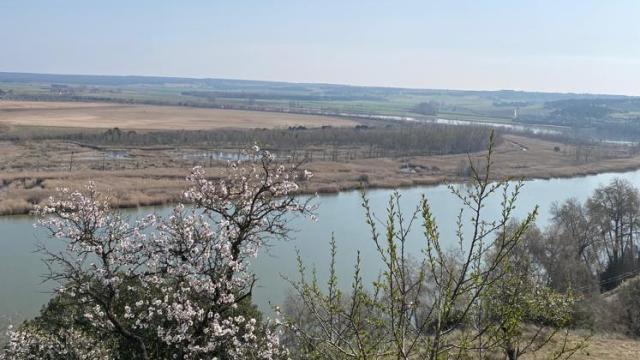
(149,117)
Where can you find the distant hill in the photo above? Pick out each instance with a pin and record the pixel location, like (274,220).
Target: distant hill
(592,115)
(246,85)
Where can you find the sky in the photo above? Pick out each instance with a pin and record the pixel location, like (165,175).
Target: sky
(590,46)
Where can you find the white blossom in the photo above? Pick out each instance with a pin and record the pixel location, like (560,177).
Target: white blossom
(178,278)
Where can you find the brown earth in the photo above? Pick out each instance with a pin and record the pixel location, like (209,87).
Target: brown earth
(149,117)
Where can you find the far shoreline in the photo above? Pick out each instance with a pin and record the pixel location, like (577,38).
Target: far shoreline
(349,186)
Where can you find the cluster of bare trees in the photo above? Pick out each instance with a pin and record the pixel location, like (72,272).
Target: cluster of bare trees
(593,245)
(380,141)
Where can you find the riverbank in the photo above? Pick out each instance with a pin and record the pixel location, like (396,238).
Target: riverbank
(340,216)
(515,157)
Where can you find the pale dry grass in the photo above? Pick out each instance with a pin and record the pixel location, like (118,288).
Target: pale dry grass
(598,346)
(539,161)
(31,171)
(149,117)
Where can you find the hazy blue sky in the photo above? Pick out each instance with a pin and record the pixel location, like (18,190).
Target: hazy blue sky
(559,45)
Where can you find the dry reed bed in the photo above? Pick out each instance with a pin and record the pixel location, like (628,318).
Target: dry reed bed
(21,188)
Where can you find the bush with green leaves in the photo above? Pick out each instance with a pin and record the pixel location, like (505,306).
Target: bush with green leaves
(458,302)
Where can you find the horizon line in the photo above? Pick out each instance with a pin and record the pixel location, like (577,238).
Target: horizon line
(316,83)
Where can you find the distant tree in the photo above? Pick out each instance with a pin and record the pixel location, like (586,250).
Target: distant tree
(426,108)
(568,250)
(592,246)
(614,210)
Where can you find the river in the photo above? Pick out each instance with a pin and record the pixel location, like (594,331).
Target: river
(518,127)
(22,293)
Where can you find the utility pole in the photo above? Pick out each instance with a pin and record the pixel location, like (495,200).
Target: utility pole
(71,161)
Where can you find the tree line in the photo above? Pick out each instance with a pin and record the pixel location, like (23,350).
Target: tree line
(373,141)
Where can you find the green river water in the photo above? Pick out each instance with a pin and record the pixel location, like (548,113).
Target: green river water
(22,293)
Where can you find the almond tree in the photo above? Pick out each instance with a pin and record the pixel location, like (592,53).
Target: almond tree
(175,287)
